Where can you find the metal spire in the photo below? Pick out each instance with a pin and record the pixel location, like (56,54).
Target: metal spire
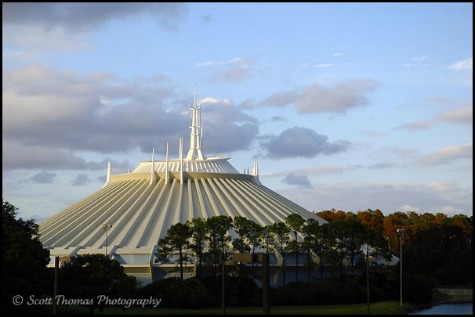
(195,134)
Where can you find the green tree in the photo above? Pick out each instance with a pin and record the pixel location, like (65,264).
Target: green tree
(295,223)
(267,238)
(24,260)
(250,236)
(176,239)
(219,239)
(249,232)
(350,237)
(95,279)
(198,239)
(280,242)
(313,242)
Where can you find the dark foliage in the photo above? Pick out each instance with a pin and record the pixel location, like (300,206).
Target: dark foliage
(24,260)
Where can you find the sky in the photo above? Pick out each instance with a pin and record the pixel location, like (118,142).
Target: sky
(351,106)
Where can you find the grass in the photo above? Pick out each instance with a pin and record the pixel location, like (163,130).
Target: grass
(379,308)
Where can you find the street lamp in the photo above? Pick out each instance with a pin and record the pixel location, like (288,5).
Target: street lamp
(400,232)
(106,228)
(367,277)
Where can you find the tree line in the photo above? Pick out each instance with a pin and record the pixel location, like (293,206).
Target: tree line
(213,241)
(435,245)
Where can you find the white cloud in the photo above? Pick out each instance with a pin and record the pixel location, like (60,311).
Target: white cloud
(420,58)
(447,154)
(463,115)
(317,170)
(387,197)
(407,208)
(421,61)
(419,125)
(316,98)
(225,62)
(233,71)
(462,64)
(323,65)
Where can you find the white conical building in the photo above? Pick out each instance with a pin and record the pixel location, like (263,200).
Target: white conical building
(126,218)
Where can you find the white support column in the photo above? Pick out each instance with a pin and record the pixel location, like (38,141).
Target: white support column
(108,173)
(181,161)
(255,170)
(152,175)
(166,166)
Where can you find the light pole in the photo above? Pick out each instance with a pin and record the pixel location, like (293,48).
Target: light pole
(367,277)
(106,228)
(400,232)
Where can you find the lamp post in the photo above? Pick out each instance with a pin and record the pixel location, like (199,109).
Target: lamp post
(400,232)
(367,278)
(106,228)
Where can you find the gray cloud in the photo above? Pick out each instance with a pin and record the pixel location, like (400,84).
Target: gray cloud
(279,119)
(65,110)
(299,180)
(52,114)
(301,142)
(226,127)
(43,177)
(87,16)
(316,98)
(26,156)
(81,179)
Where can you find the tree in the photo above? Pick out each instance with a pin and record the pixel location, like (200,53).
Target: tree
(250,236)
(295,223)
(219,239)
(198,239)
(24,260)
(96,279)
(249,232)
(280,241)
(332,215)
(393,222)
(371,219)
(315,241)
(350,236)
(267,238)
(177,239)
